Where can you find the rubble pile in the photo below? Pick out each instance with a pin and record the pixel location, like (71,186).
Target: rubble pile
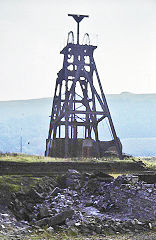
(10,227)
(88,203)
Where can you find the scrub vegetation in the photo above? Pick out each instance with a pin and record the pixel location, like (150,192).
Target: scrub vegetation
(150,162)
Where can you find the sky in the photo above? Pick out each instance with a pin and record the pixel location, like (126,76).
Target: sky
(33,32)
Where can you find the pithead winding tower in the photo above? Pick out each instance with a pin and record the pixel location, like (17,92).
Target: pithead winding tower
(75,117)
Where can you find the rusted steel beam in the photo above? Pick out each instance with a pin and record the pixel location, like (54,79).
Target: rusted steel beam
(87,112)
(78,123)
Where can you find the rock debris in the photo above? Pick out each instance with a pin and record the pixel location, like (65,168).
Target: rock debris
(88,203)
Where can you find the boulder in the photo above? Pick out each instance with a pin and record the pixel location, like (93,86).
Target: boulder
(56,220)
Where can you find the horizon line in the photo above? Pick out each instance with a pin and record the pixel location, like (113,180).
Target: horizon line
(37,98)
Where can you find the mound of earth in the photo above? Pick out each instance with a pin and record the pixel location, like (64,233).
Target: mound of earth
(87,203)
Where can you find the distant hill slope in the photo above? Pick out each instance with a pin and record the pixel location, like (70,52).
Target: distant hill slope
(29,119)
(134,114)
(134,117)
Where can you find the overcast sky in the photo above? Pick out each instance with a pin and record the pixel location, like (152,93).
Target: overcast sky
(33,32)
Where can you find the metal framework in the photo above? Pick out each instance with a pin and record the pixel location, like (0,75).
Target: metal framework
(76,98)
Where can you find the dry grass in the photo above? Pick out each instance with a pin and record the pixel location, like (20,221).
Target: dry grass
(150,162)
(63,235)
(34,158)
